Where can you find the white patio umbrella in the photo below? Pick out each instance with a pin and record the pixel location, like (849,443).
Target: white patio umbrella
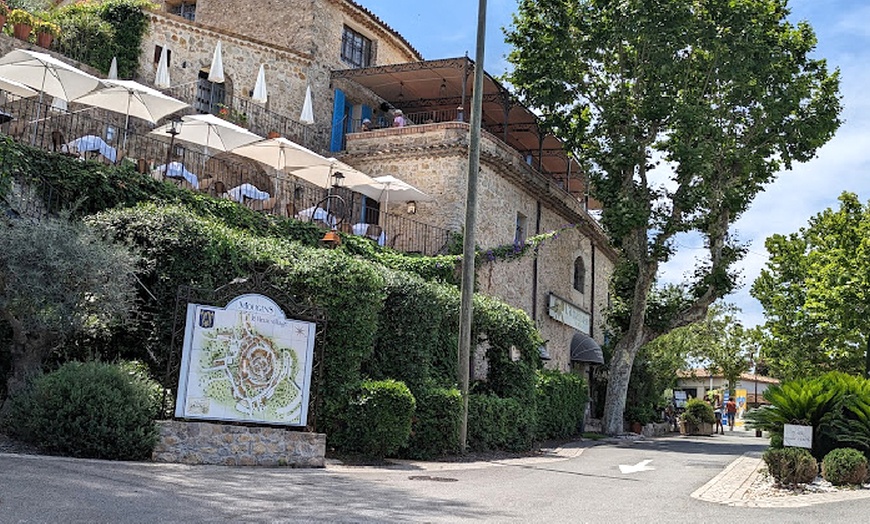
(16,88)
(48,75)
(323,174)
(132,99)
(307,116)
(216,71)
(161,79)
(391,188)
(260,95)
(281,154)
(211,132)
(113,69)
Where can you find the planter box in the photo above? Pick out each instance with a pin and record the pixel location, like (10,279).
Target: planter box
(44,39)
(691,429)
(21,31)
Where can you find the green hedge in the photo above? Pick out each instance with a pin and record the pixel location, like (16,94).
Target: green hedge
(560,400)
(89,409)
(435,429)
(378,419)
(499,423)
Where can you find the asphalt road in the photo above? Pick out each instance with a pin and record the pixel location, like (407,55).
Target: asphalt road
(584,484)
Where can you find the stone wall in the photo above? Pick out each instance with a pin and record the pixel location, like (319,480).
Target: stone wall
(229,445)
(434,158)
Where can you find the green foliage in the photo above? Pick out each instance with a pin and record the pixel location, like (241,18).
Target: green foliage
(814,290)
(20,16)
(499,423)
(836,405)
(698,412)
(845,466)
(435,429)
(89,410)
(791,466)
(94,32)
(379,418)
(560,399)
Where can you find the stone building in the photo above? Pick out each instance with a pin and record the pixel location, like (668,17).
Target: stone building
(359,69)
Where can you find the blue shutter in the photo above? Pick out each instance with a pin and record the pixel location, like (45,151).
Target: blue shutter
(338,116)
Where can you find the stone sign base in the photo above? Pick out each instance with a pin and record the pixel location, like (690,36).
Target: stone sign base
(223,444)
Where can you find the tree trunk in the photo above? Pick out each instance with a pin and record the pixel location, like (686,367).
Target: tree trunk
(28,353)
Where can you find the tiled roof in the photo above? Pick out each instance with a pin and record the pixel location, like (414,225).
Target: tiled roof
(386,26)
(704,373)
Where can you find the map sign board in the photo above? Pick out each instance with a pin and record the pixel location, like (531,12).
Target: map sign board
(797,436)
(245,362)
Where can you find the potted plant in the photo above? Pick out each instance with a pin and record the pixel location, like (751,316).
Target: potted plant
(45,32)
(4,12)
(22,23)
(697,419)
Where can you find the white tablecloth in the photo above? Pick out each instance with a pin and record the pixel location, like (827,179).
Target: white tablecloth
(316,213)
(89,143)
(177,170)
(249,191)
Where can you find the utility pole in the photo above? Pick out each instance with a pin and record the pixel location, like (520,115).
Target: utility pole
(466,303)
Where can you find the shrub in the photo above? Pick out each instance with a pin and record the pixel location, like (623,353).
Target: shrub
(499,423)
(560,399)
(698,412)
(435,429)
(379,418)
(845,466)
(790,466)
(89,409)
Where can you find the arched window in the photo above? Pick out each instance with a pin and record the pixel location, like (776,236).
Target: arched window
(579,275)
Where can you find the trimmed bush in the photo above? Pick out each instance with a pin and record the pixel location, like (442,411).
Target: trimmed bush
(379,418)
(698,412)
(845,466)
(89,409)
(435,430)
(499,423)
(560,399)
(790,466)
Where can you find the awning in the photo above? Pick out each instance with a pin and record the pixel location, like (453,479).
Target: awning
(585,349)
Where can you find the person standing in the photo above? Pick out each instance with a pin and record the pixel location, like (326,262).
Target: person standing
(718,414)
(731,412)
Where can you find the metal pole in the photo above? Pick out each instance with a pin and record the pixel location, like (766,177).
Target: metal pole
(465,308)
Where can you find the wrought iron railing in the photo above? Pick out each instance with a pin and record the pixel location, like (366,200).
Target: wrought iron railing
(221,175)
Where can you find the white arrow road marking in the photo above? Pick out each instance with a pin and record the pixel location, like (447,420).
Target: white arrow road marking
(640,466)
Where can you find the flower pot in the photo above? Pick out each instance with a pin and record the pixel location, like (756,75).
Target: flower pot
(44,39)
(2,21)
(21,31)
(636,427)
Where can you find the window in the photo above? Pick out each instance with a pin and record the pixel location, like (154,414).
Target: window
(356,50)
(520,233)
(186,10)
(580,275)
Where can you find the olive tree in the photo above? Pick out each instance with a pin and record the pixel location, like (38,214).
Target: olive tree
(682,110)
(58,278)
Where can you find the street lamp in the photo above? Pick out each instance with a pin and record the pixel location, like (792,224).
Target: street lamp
(173,131)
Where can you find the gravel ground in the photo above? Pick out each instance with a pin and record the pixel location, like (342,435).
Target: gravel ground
(765,487)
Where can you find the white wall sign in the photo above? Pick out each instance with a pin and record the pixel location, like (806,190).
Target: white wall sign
(797,436)
(245,362)
(569,314)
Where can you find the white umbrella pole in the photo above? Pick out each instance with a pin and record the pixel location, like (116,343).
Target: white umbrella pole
(127,120)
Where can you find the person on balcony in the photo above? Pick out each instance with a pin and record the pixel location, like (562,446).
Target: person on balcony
(398,119)
(366,125)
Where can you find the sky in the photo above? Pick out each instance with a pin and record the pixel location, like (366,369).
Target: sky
(447,28)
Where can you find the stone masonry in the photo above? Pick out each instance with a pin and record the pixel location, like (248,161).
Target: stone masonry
(229,445)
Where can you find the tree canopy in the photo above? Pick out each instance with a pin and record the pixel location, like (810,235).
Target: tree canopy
(682,111)
(815,291)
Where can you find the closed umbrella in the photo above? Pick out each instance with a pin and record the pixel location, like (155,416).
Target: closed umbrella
(307,116)
(260,95)
(161,80)
(216,71)
(16,88)
(211,131)
(113,69)
(132,99)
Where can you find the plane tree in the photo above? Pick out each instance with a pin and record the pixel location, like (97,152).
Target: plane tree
(681,111)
